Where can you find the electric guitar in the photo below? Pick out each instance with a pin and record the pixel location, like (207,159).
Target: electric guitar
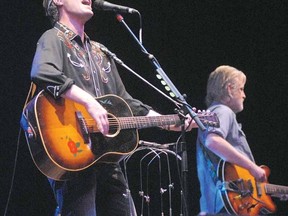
(242,195)
(64,139)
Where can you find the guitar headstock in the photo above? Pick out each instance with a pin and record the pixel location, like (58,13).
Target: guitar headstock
(208,118)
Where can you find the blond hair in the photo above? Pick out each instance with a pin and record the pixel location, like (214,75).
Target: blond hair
(218,81)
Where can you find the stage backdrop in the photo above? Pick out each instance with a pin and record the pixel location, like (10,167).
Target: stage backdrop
(189,39)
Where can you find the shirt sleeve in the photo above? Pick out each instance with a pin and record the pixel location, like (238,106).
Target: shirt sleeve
(47,68)
(225,116)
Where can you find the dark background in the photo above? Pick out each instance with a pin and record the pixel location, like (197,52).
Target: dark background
(190,39)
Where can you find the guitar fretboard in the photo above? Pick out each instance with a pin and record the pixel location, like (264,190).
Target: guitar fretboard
(276,189)
(146,122)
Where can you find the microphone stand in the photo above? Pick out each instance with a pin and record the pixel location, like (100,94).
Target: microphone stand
(185,108)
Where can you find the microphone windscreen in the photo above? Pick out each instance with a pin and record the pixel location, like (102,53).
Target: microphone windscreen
(98,4)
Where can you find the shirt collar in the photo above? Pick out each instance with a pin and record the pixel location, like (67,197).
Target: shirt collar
(68,32)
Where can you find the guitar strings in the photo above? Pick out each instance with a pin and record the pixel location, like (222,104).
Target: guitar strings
(124,122)
(131,121)
(148,118)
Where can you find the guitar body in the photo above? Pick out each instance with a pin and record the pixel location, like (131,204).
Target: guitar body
(63,138)
(241,194)
(55,132)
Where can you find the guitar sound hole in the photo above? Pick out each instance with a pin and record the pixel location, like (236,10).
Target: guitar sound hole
(114,126)
(112,130)
(234,185)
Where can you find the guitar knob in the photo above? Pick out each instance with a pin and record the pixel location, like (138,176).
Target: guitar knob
(241,207)
(29,132)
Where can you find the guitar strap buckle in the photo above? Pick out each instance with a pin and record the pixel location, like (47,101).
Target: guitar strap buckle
(25,125)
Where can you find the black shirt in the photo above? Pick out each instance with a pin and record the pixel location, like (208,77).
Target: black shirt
(61,60)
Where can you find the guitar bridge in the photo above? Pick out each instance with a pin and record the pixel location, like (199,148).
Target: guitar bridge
(238,186)
(83,127)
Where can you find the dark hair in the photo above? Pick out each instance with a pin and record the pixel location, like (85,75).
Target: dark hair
(51,11)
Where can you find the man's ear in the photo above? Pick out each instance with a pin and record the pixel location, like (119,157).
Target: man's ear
(229,88)
(58,2)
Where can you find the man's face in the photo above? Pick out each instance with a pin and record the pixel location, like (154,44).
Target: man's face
(238,96)
(76,9)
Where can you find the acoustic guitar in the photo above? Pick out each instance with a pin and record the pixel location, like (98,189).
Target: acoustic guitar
(243,195)
(64,139)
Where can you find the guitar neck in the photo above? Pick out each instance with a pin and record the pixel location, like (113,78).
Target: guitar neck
(139,122)
(148,121)
(273,189)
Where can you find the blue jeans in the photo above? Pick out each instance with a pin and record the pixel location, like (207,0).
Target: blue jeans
(101,188)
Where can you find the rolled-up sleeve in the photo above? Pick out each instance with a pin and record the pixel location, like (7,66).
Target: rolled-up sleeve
(47,68)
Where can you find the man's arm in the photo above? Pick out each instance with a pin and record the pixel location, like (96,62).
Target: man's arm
(226,151)
(99,114)
(96,110)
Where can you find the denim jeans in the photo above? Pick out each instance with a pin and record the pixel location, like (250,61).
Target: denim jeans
(101,188)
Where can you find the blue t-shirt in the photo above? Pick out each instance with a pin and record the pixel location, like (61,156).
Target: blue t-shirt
(230,130)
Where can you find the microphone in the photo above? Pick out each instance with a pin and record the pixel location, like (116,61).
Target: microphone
(106,6)
(112,55)
(153,145)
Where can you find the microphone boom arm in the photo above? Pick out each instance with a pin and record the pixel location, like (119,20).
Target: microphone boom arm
(120,62)
(174,91)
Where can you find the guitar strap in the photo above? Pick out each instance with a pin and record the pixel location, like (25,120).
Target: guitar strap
(30,94)
(24,122)
(210,165)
